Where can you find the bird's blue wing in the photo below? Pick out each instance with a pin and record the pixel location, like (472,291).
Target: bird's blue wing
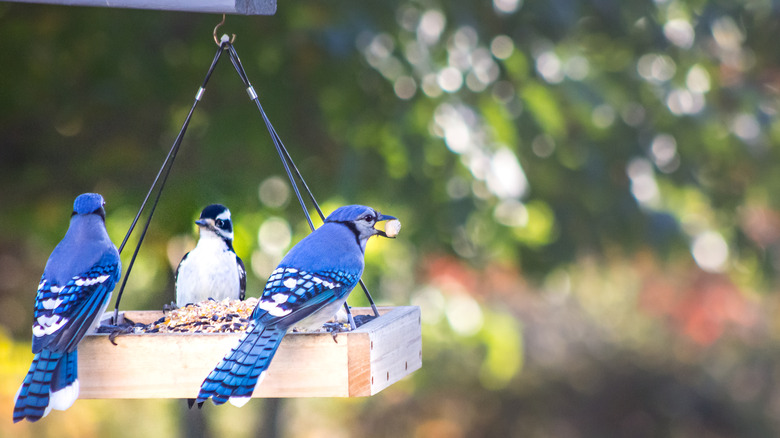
(64,313)
(291,295)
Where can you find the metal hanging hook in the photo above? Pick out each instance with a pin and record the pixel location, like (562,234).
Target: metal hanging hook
(216,40)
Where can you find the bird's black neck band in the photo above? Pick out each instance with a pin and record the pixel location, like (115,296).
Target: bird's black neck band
(353,228)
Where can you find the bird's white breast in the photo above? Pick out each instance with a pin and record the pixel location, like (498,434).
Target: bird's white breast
(209,271)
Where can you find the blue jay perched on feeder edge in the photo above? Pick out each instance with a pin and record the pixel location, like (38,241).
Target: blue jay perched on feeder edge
(212,269)
(312,281)
(73,293)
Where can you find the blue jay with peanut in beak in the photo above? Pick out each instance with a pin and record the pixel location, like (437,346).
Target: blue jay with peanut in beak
(73,292)
(311,282)
(212,269)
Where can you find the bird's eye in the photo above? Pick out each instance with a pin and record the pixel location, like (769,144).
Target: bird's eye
(368,218)
(220,223)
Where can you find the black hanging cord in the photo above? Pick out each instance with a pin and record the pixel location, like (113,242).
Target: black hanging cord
(287,161)
(164,171)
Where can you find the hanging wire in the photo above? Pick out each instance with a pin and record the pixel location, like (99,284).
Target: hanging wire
(164,171)
(286,158)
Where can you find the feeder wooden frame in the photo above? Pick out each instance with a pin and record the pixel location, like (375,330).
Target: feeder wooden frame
(359,363)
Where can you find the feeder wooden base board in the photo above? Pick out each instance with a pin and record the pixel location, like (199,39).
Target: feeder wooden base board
(362,362)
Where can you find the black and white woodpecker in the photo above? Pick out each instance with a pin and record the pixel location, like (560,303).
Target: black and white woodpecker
(212,269)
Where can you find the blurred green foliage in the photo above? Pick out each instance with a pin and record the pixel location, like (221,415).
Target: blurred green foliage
(586,189)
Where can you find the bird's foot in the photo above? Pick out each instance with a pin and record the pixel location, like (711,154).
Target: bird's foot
(127,326)
(120,331)
(334,328)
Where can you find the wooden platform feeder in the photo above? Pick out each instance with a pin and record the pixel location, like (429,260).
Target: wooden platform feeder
(173,365)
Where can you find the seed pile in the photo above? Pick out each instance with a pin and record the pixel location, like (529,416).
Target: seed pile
(226,316)
(210,316)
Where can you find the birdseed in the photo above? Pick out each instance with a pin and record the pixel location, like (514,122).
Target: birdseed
(210,316)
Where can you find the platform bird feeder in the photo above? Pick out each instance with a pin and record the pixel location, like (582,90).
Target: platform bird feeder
(356,363)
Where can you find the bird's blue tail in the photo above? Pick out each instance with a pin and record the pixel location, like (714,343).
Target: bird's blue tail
(51,383)
(237,374)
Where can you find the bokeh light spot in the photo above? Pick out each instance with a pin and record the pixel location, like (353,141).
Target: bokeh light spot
(710,251)
(746,127)
(450,79)
(698,80)
(405,87)
(543,145)
(431,26)
(727,34)
(664,153)
(512,213)
(274,192)
(430,85)
(680,33)
(656,68)
(549,66)
(464,314)
(577,68)
(643,184)
(506,178)
(603,116)
(507,6)
(502,47)
(274,235)
(683,102)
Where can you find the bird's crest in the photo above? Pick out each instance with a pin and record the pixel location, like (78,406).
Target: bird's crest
(88,203)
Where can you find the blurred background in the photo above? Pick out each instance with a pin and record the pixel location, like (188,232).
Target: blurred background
(586,188)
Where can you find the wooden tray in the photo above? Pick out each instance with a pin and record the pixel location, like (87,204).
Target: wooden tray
(173,365)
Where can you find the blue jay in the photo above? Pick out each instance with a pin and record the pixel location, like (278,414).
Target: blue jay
(312,281)
(74,291)
(212,269)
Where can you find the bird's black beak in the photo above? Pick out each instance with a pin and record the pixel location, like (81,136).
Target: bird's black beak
(203,223)
(383,217)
